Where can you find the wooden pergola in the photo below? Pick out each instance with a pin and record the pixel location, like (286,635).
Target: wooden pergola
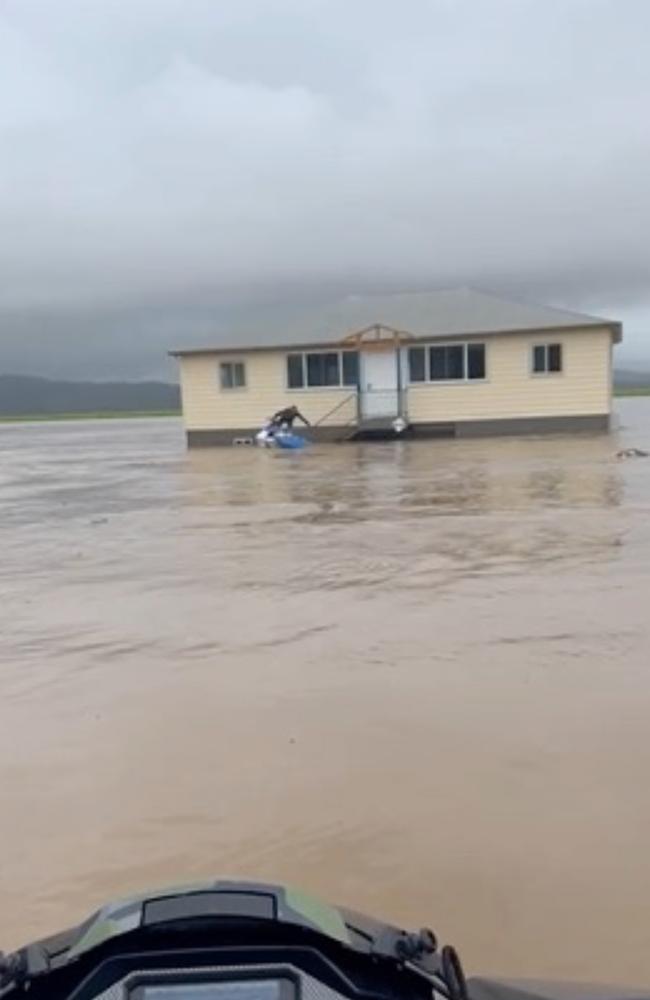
(377,335)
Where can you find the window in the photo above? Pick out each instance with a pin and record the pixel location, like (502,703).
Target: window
(350,361)
(232,375)
(555,357)
(476,360)
(323,369)
(417,365)
(295,375)
(447,363)
(547,359)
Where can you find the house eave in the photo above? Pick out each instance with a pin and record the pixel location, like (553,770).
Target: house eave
(350,340)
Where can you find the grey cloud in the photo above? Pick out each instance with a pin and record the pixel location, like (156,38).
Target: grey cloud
(167,164)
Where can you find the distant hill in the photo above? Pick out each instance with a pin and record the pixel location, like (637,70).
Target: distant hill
(24,395)
(626,379)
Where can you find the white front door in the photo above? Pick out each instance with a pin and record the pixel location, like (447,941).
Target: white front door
(379,395)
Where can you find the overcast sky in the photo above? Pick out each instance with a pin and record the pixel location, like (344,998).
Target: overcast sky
(167,165)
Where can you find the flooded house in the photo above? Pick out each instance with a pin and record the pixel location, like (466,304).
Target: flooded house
(452,363)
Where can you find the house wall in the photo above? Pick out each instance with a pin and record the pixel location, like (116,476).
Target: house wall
(206,406)
(510,390)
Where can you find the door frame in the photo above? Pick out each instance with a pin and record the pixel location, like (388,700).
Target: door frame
(366,351)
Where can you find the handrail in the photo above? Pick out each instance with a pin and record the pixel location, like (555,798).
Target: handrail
(341,402)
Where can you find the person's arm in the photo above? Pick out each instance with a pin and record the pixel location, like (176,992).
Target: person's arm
(299,416)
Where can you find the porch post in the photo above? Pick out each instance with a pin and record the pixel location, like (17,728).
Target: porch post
(398,361)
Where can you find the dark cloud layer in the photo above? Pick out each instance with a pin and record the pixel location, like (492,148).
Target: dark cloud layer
(167,165)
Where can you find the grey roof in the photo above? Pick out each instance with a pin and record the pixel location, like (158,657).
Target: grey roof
(451,313)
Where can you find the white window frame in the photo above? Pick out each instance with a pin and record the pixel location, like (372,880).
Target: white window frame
(231,362)
(319,388)
(465,344)
(547,373)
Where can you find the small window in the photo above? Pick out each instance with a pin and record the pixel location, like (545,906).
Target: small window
(350,363)
(539,358)
(295,371)
(417,364)
(437,363)
(555,357)
(232,375)
(476,360)
(323,369)
(547,358)
(447,363)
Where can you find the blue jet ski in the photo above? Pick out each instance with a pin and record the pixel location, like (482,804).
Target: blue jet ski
(249,941)
(289,440)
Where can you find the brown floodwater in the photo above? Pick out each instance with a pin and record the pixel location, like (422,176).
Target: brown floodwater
(414,678)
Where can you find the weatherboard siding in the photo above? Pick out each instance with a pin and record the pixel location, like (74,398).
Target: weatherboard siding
(510,390)
(206,406)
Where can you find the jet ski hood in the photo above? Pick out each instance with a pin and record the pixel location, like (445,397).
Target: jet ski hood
(226,940)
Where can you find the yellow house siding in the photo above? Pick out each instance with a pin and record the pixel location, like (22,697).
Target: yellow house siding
(510,390)
(206,406)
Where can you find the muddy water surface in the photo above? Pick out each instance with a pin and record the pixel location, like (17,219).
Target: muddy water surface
(413,678)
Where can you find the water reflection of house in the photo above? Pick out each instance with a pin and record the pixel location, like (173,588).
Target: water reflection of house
(455,363)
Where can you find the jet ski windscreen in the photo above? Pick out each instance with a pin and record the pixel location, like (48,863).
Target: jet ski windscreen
(248,989)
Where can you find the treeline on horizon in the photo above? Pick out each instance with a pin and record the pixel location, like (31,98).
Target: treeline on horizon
(27,395)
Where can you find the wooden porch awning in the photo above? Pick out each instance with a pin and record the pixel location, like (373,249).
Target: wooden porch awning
(377,336)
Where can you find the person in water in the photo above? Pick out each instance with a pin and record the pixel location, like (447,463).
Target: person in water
(285,418)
